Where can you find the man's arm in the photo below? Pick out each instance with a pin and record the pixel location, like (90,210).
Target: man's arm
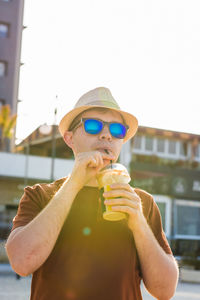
(159,270)
(29,247)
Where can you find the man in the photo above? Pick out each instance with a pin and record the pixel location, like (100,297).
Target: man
(59,234)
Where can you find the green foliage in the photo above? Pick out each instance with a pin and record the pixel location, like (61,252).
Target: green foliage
(159,161)
(7,124)
(191,259)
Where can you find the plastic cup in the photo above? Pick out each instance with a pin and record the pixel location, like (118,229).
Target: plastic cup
(113,173)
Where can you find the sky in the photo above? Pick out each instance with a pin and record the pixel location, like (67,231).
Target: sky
(146,52)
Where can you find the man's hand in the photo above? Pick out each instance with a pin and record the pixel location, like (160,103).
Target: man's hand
(125,200)
(88,164)
(160,273)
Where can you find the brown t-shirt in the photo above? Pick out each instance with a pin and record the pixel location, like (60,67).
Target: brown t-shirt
(92,258)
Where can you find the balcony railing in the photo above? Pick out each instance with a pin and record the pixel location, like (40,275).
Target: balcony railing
(34,167)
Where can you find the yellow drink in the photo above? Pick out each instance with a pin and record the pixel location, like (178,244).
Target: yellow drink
(113,173)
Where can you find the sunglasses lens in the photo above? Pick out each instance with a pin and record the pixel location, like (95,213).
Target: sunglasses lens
(118,130)
(93,126)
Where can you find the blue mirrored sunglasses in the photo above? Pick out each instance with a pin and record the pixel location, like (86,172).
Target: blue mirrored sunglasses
(95,126)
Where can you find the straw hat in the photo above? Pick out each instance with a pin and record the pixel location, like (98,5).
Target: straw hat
(99,97)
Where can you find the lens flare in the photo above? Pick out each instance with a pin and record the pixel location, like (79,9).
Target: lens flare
(86,231)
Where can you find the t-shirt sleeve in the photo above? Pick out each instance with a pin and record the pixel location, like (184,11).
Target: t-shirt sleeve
(155,222)
(29,206)
(34,199)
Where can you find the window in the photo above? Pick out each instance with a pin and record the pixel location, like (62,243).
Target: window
(162,208)
(183,148)
(4,30)
(3,67)
(2,102)
(138,142)
(164,205)
(6,216)
(197,151)
(172,147)
(148,143)
(187,219)
(160,145)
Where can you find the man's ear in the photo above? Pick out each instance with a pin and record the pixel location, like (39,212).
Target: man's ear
(68,138)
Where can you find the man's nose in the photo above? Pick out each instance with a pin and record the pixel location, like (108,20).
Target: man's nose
(105,134)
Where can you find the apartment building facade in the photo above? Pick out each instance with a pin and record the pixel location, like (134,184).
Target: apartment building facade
(11,26)
(167,164)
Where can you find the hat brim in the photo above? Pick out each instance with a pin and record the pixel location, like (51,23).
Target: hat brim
(130,120)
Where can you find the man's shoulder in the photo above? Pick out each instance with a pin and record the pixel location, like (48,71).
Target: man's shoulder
(147,201)
(55,184)
(144,195)
(47,188)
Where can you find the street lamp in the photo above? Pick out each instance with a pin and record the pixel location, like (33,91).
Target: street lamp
(46,130)
(53,152)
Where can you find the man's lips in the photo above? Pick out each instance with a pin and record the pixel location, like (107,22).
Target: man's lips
(105,150)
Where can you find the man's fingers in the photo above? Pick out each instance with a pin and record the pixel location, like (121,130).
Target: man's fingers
(125,186)
(92,163)
(101,163)
(107,156)
(96,161)
(99,159)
